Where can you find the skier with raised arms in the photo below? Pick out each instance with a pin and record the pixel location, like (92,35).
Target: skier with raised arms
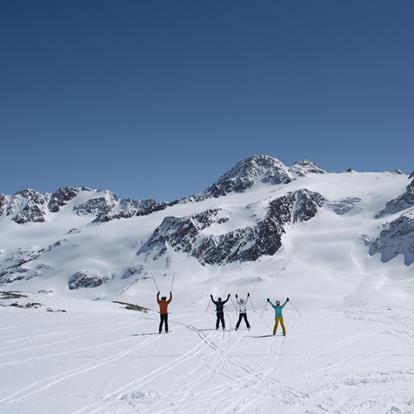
(220,311)
(242,305)
(163,303)
(278,315)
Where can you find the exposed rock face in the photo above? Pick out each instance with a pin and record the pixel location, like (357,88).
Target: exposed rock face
(305,167)
(128,208)
(125,209)
(402,202)
(345,205)
(60,197)
(257,168)
(3,203)
(22,272)
(303,204)
(96,206)
(20,256)
(31,206)
(151,206)
(396,238)
(27,206)
(178,232)
(185,234)
(411,176)
(85,279)
(133,270)
(12,264)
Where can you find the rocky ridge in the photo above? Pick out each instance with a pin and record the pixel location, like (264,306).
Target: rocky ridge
(185,234)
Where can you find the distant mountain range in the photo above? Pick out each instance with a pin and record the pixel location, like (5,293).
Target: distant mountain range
(79,238)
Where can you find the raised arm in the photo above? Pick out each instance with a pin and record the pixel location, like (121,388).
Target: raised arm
(247,298)
(237,298)
(170,299)
(228,297)
(158,298)
(284,304)
(271,304)
(211,296)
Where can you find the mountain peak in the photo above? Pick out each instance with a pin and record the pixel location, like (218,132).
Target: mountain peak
(305,167)
(255,166)
(247,172)
(25,206)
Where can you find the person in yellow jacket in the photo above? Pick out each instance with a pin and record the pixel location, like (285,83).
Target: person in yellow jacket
(278,315)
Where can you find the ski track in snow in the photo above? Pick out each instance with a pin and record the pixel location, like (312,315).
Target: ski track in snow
(332,361)
(120,392)
(215,362)
(51,381)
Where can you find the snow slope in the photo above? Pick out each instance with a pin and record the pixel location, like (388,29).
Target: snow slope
(326,259)
(347,266)
(99,358)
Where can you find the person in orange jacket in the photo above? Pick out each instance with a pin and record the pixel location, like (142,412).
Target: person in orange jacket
(163,303)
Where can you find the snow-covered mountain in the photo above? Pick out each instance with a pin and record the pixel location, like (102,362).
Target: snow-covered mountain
(327,236)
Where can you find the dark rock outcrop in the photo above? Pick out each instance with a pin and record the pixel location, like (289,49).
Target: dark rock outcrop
(96,206)
(257,168)
(401,203)
(305,167)
(61,197)
(184,234)
(132,306)
(125,209)
(396,238)
(3,204)
(27,206)
(12,264)
(20,256)
(85,279)
(129,208)
(133,270)
(31,206)
(13,275)
(151,206)
(178,232)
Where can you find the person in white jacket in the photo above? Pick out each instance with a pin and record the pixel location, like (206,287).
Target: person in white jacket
(242,305)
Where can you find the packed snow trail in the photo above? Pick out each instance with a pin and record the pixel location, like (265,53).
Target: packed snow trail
(345,361)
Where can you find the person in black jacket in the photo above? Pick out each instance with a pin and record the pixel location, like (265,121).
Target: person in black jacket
(220,310)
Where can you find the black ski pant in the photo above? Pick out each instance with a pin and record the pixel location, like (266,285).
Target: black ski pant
(164,319)
(220,318)
(242,316)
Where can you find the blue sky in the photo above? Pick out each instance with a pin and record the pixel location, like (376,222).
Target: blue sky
(158,98)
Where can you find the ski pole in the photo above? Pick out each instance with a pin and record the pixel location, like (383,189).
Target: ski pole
(294,307)
(155,283)
(208,305)
(172,283)
(264,308)
(251,303)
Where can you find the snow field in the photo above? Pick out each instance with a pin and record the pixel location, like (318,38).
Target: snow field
(333,360)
